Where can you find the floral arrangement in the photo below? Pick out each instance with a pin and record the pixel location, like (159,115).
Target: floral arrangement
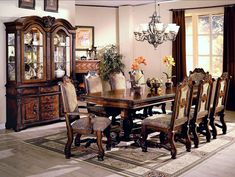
(169,62)
(137,62)
(136,75)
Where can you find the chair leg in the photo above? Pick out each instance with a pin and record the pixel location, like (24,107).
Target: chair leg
(208,133)
(212,124)
(171,136)
(195,134)
(224,126)
(77,140)
(187,139)
(164,108)
(99,144)
(144,135)
(67,149)
(109,139)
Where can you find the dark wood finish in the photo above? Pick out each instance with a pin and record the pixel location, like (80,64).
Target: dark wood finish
(176,123)
(128,101)
(82,129)
(36,100)
(219,104)
(200,117)
(84,66)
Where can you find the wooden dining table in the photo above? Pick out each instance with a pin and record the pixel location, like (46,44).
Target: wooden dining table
(130,100)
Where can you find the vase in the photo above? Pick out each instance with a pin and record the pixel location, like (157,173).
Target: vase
(136,78)
(168,83)
(59,73)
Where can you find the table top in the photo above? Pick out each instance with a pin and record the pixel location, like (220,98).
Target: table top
(131,98)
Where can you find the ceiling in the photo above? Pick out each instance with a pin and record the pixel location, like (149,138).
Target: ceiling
(117,3)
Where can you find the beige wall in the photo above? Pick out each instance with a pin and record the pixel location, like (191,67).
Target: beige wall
(9,11)
(103,19)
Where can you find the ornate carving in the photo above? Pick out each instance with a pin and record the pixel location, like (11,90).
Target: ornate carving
(48,21)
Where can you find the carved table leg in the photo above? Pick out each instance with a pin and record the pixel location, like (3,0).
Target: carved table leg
(127,123)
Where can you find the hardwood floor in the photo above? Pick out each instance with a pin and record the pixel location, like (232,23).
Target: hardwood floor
(20,159)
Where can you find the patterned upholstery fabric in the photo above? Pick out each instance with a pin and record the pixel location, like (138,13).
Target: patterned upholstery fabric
(222,89)
(159,120)
(100,123)
(94,83)
(82,124)
(183,98)
(199,115)
(118,81)
(71,96)
(205,92)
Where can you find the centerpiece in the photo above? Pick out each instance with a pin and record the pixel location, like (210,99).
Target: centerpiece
(136,74)
(169,62)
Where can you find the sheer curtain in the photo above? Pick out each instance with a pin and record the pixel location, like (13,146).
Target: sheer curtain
(179,47)
(229,52)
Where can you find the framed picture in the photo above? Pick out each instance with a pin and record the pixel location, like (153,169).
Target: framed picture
(84,37)
(51,5)
(28,4)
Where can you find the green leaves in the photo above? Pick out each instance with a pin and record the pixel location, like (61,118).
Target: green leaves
(111,62)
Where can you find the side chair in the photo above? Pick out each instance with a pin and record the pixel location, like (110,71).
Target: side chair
(199,117)
(79,124)
(219,104)
(172,124)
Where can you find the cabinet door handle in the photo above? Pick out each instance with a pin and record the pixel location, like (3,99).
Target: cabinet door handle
(35,109)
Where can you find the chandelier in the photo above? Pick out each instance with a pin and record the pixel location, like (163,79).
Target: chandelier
(156,32)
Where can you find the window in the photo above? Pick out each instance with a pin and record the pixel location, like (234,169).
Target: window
(204,42)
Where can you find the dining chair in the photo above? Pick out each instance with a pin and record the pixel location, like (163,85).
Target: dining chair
(219,104)
(197,75)
(172,124)
(79,124)
(117,81)
(199,117)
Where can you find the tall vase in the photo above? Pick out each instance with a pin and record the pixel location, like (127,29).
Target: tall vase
(168,83)
(137,78)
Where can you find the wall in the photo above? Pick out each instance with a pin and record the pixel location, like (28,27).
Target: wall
(104,19)
(9,11)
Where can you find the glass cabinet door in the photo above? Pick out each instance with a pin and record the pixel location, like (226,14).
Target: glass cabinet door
(11,56)
(33,55)
(62,58)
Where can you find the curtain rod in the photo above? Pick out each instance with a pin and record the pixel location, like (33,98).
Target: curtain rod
(192,8)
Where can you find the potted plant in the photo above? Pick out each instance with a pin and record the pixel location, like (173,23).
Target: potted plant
(110,61)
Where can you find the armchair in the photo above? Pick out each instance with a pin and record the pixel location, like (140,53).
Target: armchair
(81,123)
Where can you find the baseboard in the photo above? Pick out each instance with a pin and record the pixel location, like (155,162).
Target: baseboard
(2,126)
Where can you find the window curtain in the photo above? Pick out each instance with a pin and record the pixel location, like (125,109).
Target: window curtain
(229,52)
(179,48)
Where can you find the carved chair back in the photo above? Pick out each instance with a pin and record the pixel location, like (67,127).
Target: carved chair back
(221,93)
(197,75)
(204,93)
(182,104)
(117,81)
(93,82)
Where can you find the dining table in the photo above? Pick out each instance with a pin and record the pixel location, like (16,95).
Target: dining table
(130,100)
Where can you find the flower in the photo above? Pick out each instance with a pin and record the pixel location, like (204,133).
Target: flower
(169,62)
(137,62)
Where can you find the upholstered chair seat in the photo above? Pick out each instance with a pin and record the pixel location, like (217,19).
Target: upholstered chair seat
(169,125)
(81,123)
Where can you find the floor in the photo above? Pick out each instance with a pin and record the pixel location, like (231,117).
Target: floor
(20,159)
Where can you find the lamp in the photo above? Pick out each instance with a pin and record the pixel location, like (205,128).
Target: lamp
(156,32)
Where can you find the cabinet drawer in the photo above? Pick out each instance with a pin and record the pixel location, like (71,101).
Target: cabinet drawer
(30,110)
(29,91)
(54,88)
(49,107)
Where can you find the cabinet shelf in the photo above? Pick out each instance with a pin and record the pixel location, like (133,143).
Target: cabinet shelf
(31,79)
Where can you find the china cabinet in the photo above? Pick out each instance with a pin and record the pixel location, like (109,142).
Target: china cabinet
(40,51)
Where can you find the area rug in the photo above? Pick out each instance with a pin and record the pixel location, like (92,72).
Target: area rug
(127,159)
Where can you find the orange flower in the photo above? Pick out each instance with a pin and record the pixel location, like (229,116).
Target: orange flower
(137,62)
(135,66)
